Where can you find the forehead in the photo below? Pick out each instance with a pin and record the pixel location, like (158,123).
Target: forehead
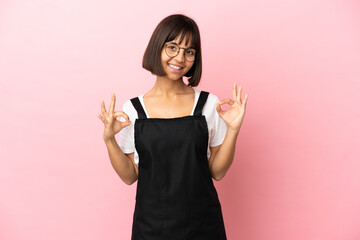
(182,44)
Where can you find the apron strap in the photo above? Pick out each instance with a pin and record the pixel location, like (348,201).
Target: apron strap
(201,102)
(137,105)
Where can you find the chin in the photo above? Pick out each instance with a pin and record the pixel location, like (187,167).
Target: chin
(175,78)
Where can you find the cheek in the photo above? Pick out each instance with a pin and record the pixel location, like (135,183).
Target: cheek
(164,57)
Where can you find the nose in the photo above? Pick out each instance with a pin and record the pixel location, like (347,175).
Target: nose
(181,55)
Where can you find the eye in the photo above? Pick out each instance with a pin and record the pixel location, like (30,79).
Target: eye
(172,47)
(190,52)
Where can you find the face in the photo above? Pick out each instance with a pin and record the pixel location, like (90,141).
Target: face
(170,63)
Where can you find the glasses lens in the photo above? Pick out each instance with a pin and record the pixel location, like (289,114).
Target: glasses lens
(190,54)
(171,49)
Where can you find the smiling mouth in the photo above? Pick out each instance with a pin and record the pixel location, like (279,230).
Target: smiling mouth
(175,67)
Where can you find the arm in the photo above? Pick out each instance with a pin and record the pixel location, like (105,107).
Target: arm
(122,163)
(222,156)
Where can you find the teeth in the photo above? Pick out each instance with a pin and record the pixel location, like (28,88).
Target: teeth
(175,67)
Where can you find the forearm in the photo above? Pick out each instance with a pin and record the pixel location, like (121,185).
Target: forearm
(225,155)
(120,162)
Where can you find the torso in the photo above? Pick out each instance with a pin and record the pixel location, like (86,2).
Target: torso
(160,107)
(175,195)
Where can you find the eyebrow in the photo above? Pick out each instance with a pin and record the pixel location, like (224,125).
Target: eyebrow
(186,48)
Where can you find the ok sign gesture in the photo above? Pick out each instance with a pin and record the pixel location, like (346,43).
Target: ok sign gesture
(233,116)
(112,125)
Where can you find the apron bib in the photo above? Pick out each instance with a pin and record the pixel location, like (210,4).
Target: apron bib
(175,196)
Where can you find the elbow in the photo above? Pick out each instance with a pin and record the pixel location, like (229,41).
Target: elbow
(218,177)
(215,176)
(130,181)
(127,181)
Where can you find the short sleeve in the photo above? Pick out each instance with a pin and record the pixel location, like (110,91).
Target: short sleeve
(219,128)
(126,135)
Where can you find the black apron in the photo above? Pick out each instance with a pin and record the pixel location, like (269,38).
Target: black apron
(175,196)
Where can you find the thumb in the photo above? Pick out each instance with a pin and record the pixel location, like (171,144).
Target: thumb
(218,109)
(123,115)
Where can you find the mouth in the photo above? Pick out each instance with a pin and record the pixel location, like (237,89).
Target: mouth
(175,67)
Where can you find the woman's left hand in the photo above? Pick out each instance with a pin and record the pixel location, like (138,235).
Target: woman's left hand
(233,116)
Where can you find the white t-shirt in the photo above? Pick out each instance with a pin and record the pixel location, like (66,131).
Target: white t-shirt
(216,125)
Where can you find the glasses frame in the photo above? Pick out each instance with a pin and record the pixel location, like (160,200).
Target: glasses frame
(166,44)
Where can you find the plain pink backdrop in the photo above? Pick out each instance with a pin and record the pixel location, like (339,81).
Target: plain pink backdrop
(296,170)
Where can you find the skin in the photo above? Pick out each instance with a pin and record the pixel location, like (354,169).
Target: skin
(179,100)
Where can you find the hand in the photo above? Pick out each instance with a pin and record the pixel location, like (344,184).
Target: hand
(112,125)
(233,116)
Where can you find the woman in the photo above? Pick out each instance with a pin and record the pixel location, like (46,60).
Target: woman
(174,140)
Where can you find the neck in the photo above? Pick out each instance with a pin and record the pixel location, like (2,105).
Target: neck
(168,87)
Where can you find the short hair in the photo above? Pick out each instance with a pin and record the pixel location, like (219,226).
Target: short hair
(167,30)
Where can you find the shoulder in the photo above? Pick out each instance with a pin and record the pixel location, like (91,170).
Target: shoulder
(209,109)
(211,99)
(128,106)
(210,104)
(129,109)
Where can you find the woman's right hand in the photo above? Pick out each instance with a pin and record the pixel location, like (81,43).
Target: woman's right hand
(112,125)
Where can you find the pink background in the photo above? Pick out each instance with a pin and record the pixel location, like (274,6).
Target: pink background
(296,170)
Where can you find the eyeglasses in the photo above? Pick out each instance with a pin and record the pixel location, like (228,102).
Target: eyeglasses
(172,50)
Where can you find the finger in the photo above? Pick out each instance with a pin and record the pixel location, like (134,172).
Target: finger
(125,116)
(103,108)
(245,100)
(122,114)
(228,101)
(234,90)
(101,117)
(218,109)
(112,104)
(239,94)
